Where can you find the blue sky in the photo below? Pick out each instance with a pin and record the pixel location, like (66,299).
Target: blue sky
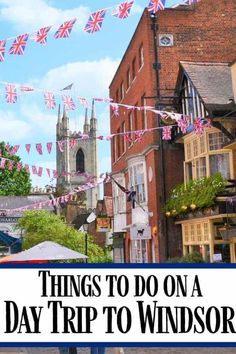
(87,60)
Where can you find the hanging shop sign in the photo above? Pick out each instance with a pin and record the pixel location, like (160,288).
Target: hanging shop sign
(140,232)
(103,224)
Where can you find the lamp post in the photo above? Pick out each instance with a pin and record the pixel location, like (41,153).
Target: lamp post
(85,227)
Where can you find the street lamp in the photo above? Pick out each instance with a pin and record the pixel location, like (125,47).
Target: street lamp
(85,227)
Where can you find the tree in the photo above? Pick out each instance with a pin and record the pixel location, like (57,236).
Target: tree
(13,182)
(41,225)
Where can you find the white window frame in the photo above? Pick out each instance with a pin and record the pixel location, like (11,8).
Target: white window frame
(132,166)
(139,251)
(119,197)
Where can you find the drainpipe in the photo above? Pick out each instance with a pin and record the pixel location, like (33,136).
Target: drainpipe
(162,229)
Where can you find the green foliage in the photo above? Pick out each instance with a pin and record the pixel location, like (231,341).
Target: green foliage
(194,257)
(39,226)
(196,194)
(13,182)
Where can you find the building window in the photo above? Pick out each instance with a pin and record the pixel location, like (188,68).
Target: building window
(119,196)
(206,231)
(123,137)
(217,140)
(206,157)
(186,234)
(199,232)
(137,181)
(114,148)
(80,167)
(139,251)
(201,167)
(133,68)
(122,92)
(192,233)
(130,127)
(220,163)
(188,151)
(144,113)
(202,144)
(195,147)
(119,142)
(188,171)
(141,56)
(128,78)
(135,125)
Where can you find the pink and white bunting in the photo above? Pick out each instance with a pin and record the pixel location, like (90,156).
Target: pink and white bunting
(39,148)
(41,36)
(65,29)
(68,102)
(115,109)
(49,100)
(83,101)
(49,147)
(28,147)
(166,133)
(2,50)
(198,126)
(11,95)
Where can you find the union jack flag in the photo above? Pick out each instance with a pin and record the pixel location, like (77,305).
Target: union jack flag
(155,5)
(166,133)
(2,50)
(95,21)
(198,126)
(49,100)
(123,10)
(41,36)
(68,102)
(83,101)
(183,124)
(18,46)
(190,2)
(26,88)
(65,29)
(11,95)
(115,109)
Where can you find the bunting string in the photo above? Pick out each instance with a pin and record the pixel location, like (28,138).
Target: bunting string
(182,122)
(93,25)
(103,178)
(9,164)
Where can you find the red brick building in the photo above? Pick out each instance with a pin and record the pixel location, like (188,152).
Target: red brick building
(147,75)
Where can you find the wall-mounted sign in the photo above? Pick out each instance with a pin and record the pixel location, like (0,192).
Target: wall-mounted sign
(140,232)
(103,224)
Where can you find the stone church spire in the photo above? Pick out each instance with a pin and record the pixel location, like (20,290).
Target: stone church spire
(86,123)
(59,122)
(93,122)
(65,123)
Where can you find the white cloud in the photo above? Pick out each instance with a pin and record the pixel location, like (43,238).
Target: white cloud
(42,123)
(91,78)
(12,128)
(27,18)
(137,9)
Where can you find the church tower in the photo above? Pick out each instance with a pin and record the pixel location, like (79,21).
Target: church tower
(77,155)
